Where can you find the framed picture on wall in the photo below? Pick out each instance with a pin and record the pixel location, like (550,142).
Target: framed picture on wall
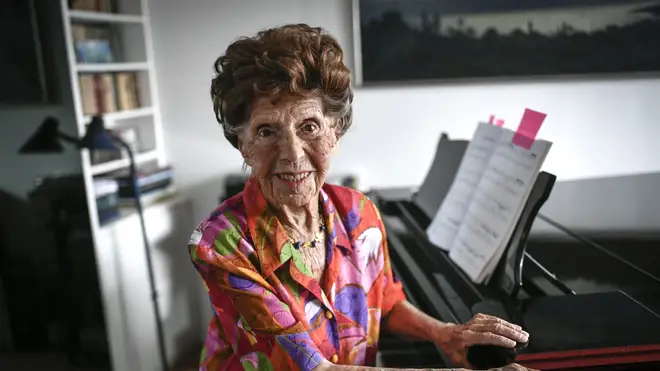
(448,40)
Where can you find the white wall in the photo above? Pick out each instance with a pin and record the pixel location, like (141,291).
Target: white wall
(604,206)
(600,127)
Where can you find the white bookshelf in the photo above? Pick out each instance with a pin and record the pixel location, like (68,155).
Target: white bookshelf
(131,24)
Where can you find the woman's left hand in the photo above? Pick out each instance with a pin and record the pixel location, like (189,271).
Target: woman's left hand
(481,329)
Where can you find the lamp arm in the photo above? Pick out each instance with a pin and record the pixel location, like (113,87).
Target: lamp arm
(147,250)
(69,138)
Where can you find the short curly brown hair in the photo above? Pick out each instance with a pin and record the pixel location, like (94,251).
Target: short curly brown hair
(295,59)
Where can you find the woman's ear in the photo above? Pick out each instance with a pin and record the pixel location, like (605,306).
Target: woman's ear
(243,151)
(335,145)
(241,148)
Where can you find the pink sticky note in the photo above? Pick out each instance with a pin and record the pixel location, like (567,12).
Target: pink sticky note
(529,126)
(491,118)
(499,122)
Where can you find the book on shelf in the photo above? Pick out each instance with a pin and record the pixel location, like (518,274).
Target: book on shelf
(150,176)
(127,91)
(108,92)
(94,43)
(102,157)
(105,6)
(483,205)
(107,200)
(150,197)
(154,182)
(97,93)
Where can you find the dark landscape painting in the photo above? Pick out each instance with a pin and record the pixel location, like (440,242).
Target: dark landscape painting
(458,39)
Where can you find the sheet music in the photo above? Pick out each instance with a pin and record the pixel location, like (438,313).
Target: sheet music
(445,225)
(496,206)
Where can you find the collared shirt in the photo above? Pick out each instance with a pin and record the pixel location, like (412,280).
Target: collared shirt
(268,312)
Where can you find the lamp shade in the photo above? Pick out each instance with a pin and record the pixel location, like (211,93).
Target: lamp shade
(45,140)
(48,138)
(96,137)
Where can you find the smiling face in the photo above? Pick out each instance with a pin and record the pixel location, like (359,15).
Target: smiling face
(288,143)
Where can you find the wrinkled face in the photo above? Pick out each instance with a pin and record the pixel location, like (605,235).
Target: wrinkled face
(288,143)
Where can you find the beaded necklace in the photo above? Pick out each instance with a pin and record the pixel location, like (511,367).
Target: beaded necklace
(318,236)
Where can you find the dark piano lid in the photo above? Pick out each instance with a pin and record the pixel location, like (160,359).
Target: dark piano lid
(588,321)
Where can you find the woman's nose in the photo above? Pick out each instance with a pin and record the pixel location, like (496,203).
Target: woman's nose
(291,148)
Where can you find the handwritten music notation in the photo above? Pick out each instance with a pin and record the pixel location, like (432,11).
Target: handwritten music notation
(481,209)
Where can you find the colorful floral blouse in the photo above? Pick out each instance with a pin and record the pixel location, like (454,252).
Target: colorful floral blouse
(269,314)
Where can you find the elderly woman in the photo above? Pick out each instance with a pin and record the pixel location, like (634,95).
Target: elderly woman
(298,271)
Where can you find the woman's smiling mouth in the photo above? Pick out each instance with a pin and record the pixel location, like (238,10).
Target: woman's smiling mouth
(293,177)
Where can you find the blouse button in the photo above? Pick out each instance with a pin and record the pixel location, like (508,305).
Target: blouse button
(328,314)
(334,358)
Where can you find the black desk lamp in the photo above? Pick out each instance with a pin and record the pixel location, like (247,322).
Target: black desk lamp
(48,139)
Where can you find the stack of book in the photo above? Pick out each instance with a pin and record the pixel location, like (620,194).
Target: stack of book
(155,184)
(107,205)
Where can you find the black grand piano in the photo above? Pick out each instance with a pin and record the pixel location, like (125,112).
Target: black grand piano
(589,302)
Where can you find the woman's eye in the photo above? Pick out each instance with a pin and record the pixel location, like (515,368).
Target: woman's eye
(264,132)
(310,127)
